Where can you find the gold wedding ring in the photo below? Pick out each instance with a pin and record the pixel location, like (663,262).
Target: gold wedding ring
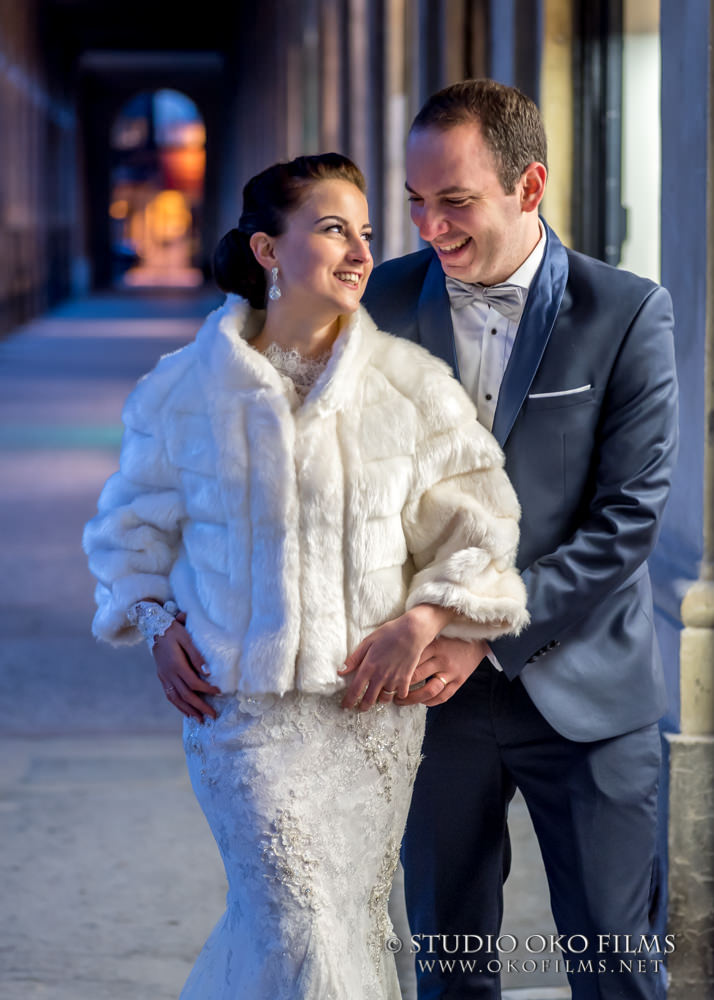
(442,679)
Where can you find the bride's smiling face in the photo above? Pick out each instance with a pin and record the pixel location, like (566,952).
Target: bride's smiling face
(324,257)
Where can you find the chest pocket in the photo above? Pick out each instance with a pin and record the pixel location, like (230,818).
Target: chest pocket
(558,399)
(555,435)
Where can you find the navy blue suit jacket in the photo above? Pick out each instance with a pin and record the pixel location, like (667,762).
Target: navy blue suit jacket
(587,418)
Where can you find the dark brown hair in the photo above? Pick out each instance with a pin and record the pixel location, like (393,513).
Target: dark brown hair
(268,199)
(510,123)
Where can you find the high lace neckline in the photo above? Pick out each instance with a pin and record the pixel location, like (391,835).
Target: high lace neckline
(303,372)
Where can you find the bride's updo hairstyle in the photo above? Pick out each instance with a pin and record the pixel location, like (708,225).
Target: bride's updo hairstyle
(268,200)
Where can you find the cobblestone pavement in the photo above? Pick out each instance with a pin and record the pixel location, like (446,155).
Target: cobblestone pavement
(111,880)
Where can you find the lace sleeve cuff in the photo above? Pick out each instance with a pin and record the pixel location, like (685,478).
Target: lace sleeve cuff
(151,619)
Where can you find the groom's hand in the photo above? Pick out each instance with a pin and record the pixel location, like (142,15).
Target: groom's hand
(444,666)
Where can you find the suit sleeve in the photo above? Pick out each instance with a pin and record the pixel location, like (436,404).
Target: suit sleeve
(635,453)
(133,541)
(461,527)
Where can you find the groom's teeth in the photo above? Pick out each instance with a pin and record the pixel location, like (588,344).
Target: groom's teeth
(455,246)
(350,277)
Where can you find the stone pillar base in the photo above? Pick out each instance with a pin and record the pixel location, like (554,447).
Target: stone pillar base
(691,866)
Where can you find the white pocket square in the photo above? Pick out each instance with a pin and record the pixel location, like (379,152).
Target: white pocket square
(563,392)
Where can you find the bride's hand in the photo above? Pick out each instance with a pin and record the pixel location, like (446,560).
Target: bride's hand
(384,662)
(179,666)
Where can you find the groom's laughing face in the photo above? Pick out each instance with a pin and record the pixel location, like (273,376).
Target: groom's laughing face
(479,232)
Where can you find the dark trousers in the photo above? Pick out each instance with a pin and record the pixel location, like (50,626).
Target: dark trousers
(594,808)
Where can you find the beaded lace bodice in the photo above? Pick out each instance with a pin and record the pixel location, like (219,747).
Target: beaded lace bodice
(303,372)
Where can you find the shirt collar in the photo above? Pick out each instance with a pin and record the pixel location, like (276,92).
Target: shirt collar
(524,275)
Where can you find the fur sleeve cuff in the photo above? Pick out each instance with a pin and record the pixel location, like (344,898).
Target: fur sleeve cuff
(499,611)
(110,622)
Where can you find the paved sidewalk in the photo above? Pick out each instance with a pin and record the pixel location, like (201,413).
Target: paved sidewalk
(111,879)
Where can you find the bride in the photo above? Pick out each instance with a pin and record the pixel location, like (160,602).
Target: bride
(303,504)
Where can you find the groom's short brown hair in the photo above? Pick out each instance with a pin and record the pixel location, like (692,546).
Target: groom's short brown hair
(510,123)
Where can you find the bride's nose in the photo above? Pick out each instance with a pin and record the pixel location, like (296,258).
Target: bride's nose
(359,249)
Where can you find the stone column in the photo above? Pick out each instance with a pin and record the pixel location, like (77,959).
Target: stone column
(331,77)
(691,809)
(396,123)
(556,104)
(357,107)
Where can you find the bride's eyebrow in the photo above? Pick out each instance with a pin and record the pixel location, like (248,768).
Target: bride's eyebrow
(338,218)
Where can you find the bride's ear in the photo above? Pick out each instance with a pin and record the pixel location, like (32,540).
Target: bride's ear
(263,250)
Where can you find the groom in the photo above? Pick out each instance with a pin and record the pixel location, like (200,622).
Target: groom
(570,364)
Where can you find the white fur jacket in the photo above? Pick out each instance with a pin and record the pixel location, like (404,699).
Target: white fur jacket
(289,532)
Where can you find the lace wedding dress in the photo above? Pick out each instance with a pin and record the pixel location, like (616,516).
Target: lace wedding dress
(307,803)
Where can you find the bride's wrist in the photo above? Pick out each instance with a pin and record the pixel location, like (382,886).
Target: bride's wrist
(430,618)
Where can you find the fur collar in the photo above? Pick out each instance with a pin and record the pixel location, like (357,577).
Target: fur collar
(231,365)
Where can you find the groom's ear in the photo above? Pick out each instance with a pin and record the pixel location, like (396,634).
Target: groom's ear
(532,186)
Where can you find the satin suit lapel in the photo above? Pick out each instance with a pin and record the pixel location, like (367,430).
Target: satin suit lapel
(539,315)
(436,332)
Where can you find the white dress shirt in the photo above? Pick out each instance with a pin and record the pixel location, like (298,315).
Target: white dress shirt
(484,340)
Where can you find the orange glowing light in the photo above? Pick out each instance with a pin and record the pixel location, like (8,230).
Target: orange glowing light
(184,169)
(168,216)
(119,209)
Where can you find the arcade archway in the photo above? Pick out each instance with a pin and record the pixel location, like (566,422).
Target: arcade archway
(158,163)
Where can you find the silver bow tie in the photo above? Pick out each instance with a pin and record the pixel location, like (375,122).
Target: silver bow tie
(505,299)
